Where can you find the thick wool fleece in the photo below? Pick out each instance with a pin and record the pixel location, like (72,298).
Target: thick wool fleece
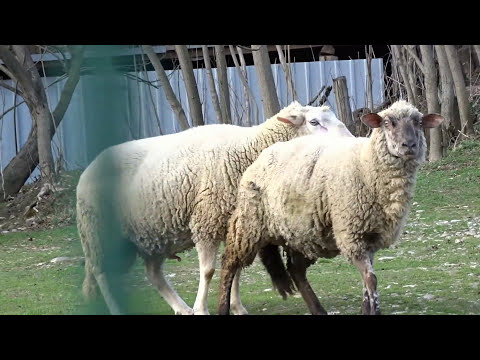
(174,190)
(323,197)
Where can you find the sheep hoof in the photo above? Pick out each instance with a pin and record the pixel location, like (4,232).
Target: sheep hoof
(187,311)
(200,312)
(238,309)
(367,309)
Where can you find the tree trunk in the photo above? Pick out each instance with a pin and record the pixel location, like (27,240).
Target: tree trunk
(211,84)
(398,53)
(19,61)
(395,76)
(431,90)
(342,101)
(24,163)
(477,51)
(167,88)
(460,89)
(447,105)
(288,74)
(245,92)
(223,83)
(263,68)
(412,78)
(190,85)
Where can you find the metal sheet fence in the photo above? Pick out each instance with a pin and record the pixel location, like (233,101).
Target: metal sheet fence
(148,113)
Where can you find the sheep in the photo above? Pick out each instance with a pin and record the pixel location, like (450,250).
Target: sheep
(174,192)
(342,196)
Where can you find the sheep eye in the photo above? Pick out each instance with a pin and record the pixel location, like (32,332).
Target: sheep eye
(314,122)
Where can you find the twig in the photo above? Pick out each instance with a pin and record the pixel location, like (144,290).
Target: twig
(242,77)
(286,70)
(133,77)
(151,96)
(324,98)
(11,88)
(316,96)
(247,48)
(6,71)
(415,56)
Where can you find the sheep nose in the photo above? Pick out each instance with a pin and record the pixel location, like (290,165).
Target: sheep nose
(410,145)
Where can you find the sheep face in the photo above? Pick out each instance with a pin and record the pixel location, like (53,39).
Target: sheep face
(404,134)
(322,121)
(313,120)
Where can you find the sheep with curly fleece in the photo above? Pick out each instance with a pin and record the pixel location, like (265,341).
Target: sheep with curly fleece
(174,192)
(347,196)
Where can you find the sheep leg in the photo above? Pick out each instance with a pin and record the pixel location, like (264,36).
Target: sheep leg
(370,305)
(107,294)
(226,281)
(235,302)
(231,268)
(207,253)
(153,267)
(297,266)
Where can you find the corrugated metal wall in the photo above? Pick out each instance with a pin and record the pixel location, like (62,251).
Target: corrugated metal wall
(142,101)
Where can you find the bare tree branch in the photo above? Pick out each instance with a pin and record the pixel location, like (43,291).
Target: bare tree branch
(11,88)
(415,57)
(246,48)
(7,72)
(211,84)
(398,55)
(368,54)
(149,90)
(247,98)
(316,96)
(242,77)
(167,88)
(286,70)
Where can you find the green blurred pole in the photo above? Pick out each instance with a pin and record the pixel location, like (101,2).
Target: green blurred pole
(105,97)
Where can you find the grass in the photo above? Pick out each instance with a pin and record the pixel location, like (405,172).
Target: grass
(435,269)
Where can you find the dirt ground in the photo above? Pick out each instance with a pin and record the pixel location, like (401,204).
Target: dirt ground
(29,211)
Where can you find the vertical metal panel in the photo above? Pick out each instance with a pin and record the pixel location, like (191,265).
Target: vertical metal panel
(140,121)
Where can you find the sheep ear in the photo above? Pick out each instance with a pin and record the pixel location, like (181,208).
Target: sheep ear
(431,120)
(294,120)
(372,120)
(285,120)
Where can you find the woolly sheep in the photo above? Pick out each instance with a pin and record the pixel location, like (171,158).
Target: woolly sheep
(175,192)
(346,196)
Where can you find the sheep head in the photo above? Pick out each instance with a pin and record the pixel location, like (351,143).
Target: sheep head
(403,127)
(313,120)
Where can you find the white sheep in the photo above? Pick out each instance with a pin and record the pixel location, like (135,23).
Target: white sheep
(173,192)
(346,196)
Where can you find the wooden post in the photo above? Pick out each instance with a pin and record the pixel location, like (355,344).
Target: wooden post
(344,111)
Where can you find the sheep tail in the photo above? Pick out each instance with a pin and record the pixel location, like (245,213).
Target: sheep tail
(272,260)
